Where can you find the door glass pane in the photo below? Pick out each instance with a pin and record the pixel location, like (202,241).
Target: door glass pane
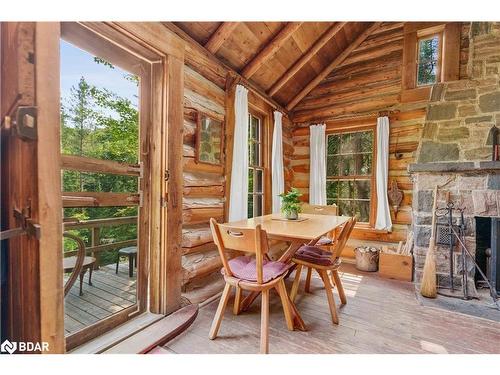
(99,119)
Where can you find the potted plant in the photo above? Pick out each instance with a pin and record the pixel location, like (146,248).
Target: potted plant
(290,204)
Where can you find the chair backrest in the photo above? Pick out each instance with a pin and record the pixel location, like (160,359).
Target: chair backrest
(80,258)
(343,237)
(320,209)
(247,240)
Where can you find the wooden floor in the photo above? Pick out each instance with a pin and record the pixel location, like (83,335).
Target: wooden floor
(108,294)
(381,316)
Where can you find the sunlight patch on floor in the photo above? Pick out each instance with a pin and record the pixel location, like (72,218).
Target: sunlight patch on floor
(432,347)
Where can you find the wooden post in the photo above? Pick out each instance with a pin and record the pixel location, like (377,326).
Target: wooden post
(95,240)
(229,138)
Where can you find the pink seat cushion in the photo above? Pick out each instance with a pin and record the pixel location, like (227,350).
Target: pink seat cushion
(324,241)
(315,255)
(244,267)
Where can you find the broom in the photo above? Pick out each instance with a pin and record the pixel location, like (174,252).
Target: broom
(428,286)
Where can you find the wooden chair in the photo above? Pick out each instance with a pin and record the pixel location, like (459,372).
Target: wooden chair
(326,241)
(247,273)
(323,262)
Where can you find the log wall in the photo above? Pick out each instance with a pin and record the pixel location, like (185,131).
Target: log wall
(369,81)
(203,195)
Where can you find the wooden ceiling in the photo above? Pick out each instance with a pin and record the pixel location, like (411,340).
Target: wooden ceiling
(286,59)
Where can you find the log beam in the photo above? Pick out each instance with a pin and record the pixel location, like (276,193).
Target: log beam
(220,35)
(270,49)
(305,58)
(336,62)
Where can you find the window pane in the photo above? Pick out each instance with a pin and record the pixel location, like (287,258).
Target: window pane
(256,153)
(428,49)
(251,158)
(361,209)
(346,143)
(250,180)
(250,205)
(428,57)
(258,205)
(333,144)
(366,165)
(332,165)
(362,189)
(347,165)
(427,73)
(366,141)
(332,190)
(346,189)
(345,208)
(255,127)
(259,178)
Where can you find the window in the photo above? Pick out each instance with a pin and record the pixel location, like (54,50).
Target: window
(429,60)
(255,167)
(349,172)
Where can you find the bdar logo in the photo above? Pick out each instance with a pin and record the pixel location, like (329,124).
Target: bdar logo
(8,347)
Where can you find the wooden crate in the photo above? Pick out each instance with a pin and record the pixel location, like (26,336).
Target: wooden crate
(395,266)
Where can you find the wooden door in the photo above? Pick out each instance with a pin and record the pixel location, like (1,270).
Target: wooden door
(30,198)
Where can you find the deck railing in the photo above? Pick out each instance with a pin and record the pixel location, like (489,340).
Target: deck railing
(95,226)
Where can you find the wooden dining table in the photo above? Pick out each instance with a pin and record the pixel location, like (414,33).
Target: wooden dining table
(307,229)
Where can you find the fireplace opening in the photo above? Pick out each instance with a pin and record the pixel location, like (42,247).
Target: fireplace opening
(487,251)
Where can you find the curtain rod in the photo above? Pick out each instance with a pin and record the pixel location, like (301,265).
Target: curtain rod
(239,80)
(388,113)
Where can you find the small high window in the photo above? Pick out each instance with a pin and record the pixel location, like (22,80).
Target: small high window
(429,60)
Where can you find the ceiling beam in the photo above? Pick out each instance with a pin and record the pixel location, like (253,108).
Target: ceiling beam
(270,49)
(336,62)
(220,35)
(200,50)
(305,58)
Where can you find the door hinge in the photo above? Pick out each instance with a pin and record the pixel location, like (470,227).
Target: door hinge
(26,226)
(25,123)
(167,175)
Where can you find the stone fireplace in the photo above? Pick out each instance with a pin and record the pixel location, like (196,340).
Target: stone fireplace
(455,149)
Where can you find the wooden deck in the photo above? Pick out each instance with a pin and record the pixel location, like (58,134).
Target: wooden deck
(108,294)
(381,316)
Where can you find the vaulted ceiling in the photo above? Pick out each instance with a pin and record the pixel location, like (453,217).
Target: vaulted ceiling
(286,59)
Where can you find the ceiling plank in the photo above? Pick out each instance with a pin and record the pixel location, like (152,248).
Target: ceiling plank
(198,51)
(220,35)
(311,52)
(337,61)
(270,49)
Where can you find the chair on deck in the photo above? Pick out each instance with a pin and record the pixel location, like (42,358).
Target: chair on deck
(324,261)
(77,265)
(325,242)
(255,274)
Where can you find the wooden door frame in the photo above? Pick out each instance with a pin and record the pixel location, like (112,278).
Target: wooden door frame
(38,305)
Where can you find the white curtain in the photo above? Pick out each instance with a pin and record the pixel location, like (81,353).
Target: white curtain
(383,220)
(278,177)
(238,200)
(317,175)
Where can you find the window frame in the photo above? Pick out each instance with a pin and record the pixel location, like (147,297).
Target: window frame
(439,67)
(373,177)
(261,166)
(450,57)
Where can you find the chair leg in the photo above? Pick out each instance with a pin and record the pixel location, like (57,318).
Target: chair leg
(286,304)
(82,274)
(308,280)
(237,301)
(264,323)
(117,263)
(296,281)
(329,295)
(220,312)
(90,275)
(340,287)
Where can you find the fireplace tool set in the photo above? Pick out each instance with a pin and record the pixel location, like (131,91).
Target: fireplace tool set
(449,233)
